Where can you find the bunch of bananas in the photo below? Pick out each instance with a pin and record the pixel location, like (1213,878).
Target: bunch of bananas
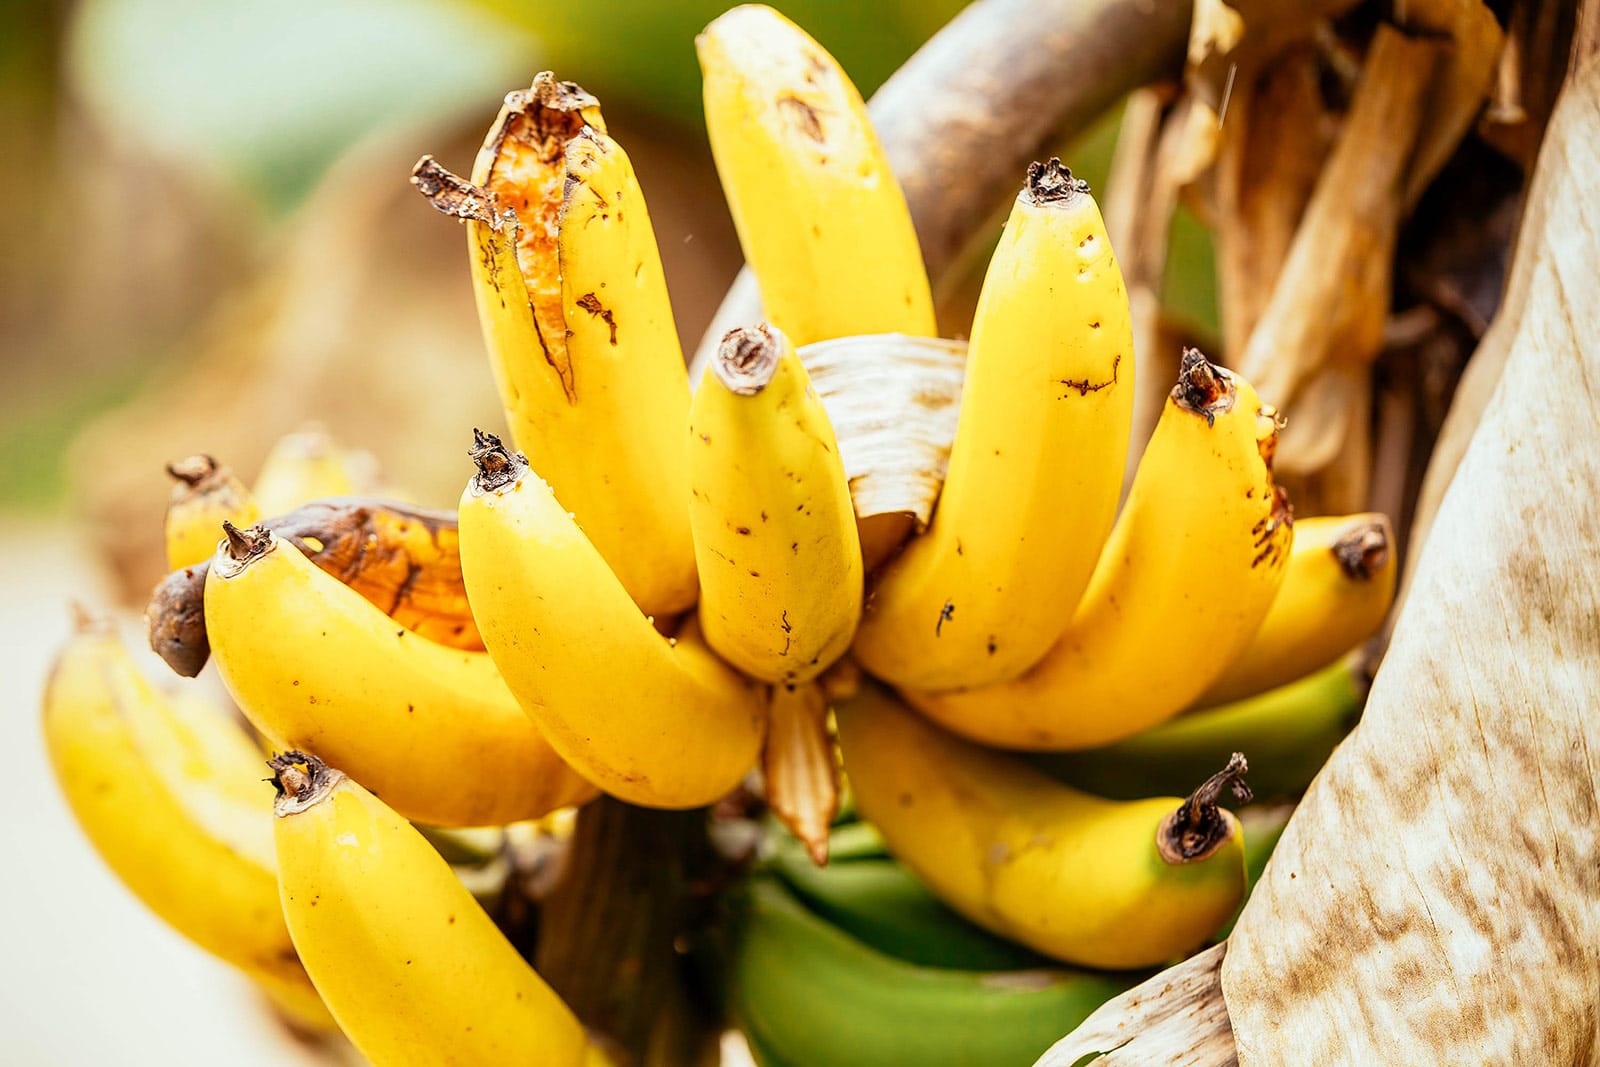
(628,594)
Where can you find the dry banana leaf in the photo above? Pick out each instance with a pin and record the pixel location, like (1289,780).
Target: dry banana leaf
(1436,896)
(799,767)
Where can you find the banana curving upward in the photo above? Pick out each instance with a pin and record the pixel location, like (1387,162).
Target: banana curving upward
(819,213)
(170,795)
(205,494)
(409,963)
(774,531)
(1188,574)
(574,309)
(1035,469)
(1095,882)
(1336,592)
(650,720)
(314,666)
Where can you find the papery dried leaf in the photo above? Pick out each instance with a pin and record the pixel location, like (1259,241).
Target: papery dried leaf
(798,764)
(1461,85)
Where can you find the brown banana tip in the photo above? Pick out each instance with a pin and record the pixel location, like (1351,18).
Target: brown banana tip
(1051,182)
(192,471)
(1203,387)
(1198,827)
(301,781)
(498,466)
(1364,551)
(452,195)
(747,358)
(557,95)
(240,548)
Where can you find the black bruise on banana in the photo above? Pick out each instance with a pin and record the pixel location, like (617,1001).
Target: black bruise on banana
(339,535)
(1198,828)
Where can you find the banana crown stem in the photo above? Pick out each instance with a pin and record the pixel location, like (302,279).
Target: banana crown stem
(1363,552)
(498,466)
(244,547)
(1198,827)
(748,357)
(1052,182)
(302,780)
(1203,387)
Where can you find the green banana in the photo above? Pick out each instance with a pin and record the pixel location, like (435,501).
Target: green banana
(807,993)
(853,840)
(882,905)
(1287,733)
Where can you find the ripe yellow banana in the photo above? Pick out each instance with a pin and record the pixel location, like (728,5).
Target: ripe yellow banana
(1336,592)
(650,720)
(774,531)
(574,309)
(411,966)
(1188,574)
(317,667)
(206,493)
(170,795)
(1099,883)
(303,466)
(1035,469)
(820,215)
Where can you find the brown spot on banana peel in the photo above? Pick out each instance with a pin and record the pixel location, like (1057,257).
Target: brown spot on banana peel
(1364,551)
(1084,386)
(1271,531)
(1203,387)
(747,358)
(1197,828)
(802,116)
(591,303)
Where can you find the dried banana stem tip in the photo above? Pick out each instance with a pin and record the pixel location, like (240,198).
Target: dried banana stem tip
(1364,551)
(1052,182)
(301,780)
(243,547)
(193,471)
(1198,827)
(747,358)
(498,466)
(1203,387)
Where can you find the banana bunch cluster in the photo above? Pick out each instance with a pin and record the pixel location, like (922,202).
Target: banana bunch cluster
(647,574)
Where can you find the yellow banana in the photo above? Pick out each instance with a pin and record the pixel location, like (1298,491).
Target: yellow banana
(820,215)
(1035,469)
(650,720)
(574,309)
(171,797)
(411,966)
(1094,882)
(315,666)
(1188,574)
(774,531)
(205,494)
(1336,592)
(303,466)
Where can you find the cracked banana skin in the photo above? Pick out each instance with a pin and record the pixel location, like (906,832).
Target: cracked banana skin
(820,215)
(1036,465)
(409,963)
(575,314)
(1336,592)
(314,666)
(1190,570)
(775,532)
(655,721)
(1075,877)
(169,792)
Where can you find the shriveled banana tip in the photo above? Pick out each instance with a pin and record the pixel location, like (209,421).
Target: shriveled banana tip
(1203,387)
(1198,827)
(302,780)
(1365,550)
(748,357)
(498,466)
(191,471)
(1051,182)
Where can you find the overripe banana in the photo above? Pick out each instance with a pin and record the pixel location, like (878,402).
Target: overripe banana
(172,800)
(205,493)
(1189,572)
(1288,733)
(404,560)
(1336,592)
(408,962)
(806,993)
(1036,465)
(304,466)
(1093,882)
(574,309)
(774,531)
(879,903)
(651,720)
(314,666)
(820,215)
